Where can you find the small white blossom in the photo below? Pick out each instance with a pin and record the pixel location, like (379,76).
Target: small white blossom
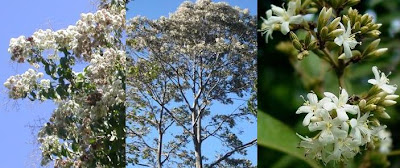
(386,141)
(347,40)
(340,105)
(330,128)
(283,17)
(381,81)
(344,149)
(311,107)
(360,131)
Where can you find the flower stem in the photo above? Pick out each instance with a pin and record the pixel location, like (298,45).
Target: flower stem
(394,153)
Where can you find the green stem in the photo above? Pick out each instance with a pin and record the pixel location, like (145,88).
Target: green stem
(329,56)
(394,153)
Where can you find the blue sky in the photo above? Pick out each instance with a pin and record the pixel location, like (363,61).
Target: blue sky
(23,17)
(153,9)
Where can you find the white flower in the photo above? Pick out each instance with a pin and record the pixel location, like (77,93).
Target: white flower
(45,83)
(386,141)
(267,27)
(313,148)
(359,129)
(382,81)
(286,17)
(330,128)
(311,107)
(347,40)
(343,149)
(340,105)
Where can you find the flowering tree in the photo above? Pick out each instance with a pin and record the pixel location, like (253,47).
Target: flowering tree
(202,54)
(87,127)
(342,126)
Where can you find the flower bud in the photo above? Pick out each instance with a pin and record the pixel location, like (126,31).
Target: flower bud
(297,45)
(391,97)
(384,115)
(364,29)
(380,51)
(312,10)
(307,39)
(336,33)
(388,103)
(352,2)
(374,33)
(372,46)
(374,100)
(381,94)
(370,107)
(334,24)
(362,103)
(324,33)
(380,109)
(293,36)
(313,45)
(357,26)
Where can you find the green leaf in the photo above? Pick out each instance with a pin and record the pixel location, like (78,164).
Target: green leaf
(274,134)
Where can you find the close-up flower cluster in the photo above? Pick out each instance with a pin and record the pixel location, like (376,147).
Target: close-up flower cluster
(340,135)
(328,46)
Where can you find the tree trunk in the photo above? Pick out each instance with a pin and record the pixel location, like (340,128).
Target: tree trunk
(160,140)
(197,140)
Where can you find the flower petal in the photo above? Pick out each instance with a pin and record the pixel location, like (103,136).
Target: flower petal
(307,119)
(304,109)
(312,97)
(341,114)
(372,81)
(285,27)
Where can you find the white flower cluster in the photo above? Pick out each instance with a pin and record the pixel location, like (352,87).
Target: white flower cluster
(282,19)
(92,30)
(20,85)
(102,66)
(341,135)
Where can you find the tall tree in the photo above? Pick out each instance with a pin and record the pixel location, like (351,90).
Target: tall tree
(202,55)
(87,129)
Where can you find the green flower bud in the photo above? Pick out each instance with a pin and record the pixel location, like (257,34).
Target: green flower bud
(373,33)
(334,24)
(313,45)
(370,107)
(335,33)
(324,33)
(371,46)
(293,36)
(297,45)
(374,100)
(312,10)
(307,40)
(352,2)
(364,19)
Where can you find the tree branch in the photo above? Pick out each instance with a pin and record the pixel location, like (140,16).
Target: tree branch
(228,154)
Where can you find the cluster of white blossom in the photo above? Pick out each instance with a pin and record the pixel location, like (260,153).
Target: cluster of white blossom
(92,30)
(20,85)
(341,135)
(95,38)
(103,64)
(282,18)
